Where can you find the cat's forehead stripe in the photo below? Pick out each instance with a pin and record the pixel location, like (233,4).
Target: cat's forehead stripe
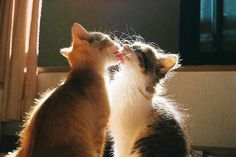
(145,56)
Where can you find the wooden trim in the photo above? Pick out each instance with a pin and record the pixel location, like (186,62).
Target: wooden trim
(209,68)
(53,69)
(188,68)
(216,151)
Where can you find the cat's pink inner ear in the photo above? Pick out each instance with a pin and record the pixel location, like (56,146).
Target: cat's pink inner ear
(166,64)
(79,32)
(65,52)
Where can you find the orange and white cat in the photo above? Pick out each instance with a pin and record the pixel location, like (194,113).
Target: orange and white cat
(71,120)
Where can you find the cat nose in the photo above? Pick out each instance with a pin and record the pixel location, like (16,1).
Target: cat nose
(119,55)
(126,47)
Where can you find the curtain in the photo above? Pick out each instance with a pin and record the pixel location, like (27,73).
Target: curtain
(19,35)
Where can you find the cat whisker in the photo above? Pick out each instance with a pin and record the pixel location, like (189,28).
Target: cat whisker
(126,26)
(126,36)
(133,30)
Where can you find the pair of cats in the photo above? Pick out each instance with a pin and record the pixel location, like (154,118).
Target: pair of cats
(72,119)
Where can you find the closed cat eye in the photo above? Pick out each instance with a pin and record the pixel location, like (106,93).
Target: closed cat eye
(135,49)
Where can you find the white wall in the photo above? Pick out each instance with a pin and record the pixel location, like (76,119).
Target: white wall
(209,98)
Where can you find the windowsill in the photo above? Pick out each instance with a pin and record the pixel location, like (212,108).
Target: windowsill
(187,68)
(53,69)
(215,151)
(210,68)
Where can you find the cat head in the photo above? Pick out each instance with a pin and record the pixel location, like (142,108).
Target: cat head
(148,62)
(95,47)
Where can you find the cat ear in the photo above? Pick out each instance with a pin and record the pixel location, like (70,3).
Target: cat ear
(78,32)
(65,51)
(167,63)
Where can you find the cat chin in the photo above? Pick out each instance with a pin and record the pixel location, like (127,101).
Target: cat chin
(111,63)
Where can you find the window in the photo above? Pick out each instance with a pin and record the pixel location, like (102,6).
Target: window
(208,32)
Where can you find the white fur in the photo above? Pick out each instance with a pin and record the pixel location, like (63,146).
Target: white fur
(129,108)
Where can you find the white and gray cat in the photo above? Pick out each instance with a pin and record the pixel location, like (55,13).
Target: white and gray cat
(143,123)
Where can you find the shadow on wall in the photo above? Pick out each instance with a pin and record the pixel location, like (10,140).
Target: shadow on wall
(156,21)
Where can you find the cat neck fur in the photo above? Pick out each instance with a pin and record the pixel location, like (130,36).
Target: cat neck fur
(137,104)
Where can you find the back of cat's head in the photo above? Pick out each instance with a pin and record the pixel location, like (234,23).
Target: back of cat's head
(89,47)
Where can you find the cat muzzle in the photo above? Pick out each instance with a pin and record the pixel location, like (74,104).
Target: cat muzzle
(120,56)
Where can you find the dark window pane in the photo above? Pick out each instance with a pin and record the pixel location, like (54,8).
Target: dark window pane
(229,31)
(207,21)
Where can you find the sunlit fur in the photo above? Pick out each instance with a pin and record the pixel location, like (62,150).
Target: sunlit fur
(71,120)
(133,108)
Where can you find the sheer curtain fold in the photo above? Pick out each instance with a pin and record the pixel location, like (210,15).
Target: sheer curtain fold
(19,49)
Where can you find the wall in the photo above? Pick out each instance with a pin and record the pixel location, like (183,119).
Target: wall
(210,100)
(208,97)
(156,21)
